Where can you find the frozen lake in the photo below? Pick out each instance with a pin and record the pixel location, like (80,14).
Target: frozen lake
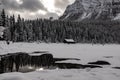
(85,52)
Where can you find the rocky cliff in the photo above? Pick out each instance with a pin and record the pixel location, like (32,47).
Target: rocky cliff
(92,9)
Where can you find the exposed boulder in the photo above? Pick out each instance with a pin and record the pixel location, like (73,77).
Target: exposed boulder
(100,63)
(21,59)
(64,59)
(116,67)
(42,60)
(74,66)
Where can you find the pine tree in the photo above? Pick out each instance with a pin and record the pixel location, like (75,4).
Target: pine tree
(19,28)
(3,18)
(12,27)
(8,32)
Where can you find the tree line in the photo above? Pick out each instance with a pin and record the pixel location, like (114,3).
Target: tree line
(49,30)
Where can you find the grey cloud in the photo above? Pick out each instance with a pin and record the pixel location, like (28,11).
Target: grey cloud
(54,15)
(47,16)
(27,7)
(9,4)
(28,15)
(61,3)
(30,5)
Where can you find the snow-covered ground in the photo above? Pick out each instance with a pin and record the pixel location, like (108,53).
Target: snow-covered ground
(94,74)
(85,52)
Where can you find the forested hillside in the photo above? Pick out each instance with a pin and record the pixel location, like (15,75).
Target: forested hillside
(48,30)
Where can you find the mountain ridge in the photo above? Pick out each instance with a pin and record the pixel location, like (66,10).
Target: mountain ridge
(93,10)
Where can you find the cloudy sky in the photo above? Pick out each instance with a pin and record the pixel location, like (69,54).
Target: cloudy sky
(35,8)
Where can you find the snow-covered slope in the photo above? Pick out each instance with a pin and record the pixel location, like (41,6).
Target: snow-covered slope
(92,9)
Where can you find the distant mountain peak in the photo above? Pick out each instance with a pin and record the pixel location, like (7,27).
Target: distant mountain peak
(92,9)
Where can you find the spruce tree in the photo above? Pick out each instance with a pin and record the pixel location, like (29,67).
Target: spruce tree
(3,18)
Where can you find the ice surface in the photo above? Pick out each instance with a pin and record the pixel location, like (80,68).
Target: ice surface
(87,74)
(85,52)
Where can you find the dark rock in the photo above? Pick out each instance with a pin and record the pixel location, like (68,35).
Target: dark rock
(100,63)
(116,67)
(68,66)
(42,60)
(40,52)
(63,59)
(74,66)
(18,59)
(22,59)
(91,66)
(1,66)
(108,56)
(92,10)
(47,59)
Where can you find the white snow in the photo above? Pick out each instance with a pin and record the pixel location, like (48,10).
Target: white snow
(86,74)
(86,15)
(67,16)
(117,17)
(69,40)
(1,30)
(85,52)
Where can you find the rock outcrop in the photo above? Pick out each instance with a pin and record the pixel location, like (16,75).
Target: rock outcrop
(92,9)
